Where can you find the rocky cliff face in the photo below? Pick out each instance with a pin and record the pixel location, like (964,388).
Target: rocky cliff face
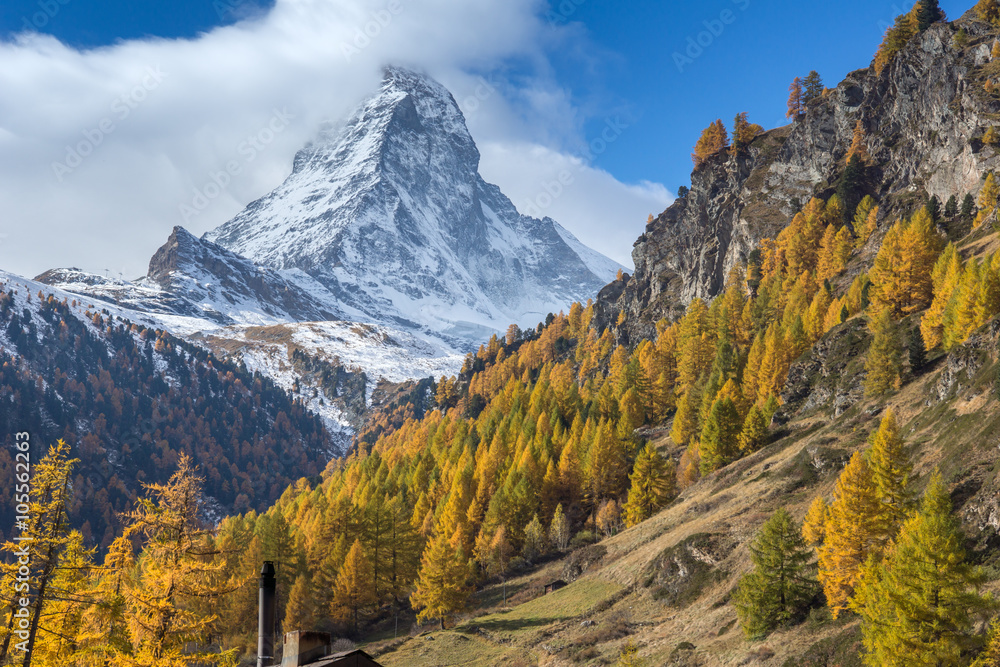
(195,278)
(221,281)
(922,117)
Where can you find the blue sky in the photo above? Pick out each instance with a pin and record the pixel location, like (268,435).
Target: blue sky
(569,71)
(93,23)
(747,67)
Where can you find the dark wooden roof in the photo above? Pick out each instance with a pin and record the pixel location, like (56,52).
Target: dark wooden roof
(355,658)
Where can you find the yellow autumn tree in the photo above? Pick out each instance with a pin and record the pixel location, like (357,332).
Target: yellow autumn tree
(713,139)
(744,132)
(896,37)
(104,630)
(353,592)
(862,215)
(441,587)
(851,533)
(300,610)
(653,485)
(961,316)
(901,275)
(826,264)
(842,246)
(857,294)
(988,196)
(988,302)
(814,526)
(891,470)
(858,147)
(796,103)
(945,276)
(685,424)
(175,576)
(44,538)
(989,11)
(920,605)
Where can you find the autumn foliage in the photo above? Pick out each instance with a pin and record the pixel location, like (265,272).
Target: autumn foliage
(713,139)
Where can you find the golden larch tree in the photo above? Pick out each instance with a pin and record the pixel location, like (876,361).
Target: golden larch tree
(796,105)
(858,147)
(891,469)
(920,605)
(653,485)
(851,533)
(944,278)
(988,196)
(441,588)
(353,592)
(714,139)
(165,600)
(814,525)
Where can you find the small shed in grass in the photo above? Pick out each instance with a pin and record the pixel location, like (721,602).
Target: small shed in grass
(554,586)
(312,649)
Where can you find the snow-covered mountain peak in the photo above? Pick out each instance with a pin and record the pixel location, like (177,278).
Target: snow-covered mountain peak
(389,214)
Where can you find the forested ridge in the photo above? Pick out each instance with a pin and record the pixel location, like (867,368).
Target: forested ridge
(130,399)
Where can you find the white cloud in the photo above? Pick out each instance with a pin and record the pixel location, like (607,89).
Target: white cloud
(161,119)
(604,213)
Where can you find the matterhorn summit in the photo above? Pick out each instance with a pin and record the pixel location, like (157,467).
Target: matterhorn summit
(383,257)
(387,218)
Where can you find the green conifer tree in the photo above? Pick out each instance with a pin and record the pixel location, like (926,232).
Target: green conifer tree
(951,207)
(812,87)
(653,485)
(968,207)
(928,12)
(719,437)
(754,433)
(782,585)
(883,365)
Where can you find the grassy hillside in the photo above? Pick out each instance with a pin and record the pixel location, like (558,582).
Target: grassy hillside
(665,584)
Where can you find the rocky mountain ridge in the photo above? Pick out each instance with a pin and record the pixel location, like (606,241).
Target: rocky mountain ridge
(922,118)
(191,277)
(389,213)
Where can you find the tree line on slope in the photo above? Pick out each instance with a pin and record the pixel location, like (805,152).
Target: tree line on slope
(534,447)
(897,562)
(130,400)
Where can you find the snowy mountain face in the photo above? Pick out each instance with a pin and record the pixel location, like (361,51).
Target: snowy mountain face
(333,367)
(383,257)
(195,278)
(390,215)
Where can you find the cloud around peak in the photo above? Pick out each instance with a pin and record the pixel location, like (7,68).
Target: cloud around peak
(103,151)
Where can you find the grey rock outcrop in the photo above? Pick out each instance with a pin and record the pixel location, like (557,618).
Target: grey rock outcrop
(922,116)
